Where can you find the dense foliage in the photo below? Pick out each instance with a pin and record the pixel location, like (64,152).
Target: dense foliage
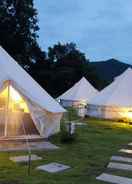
(18,26)
(65,65)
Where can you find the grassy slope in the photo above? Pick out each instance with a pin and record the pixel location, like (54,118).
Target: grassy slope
(88,156)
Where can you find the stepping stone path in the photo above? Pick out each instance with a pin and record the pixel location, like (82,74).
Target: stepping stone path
(120,166)
(22,146)
(122,163)
(129,151)
(25,158)
(114,179)
(130,144)
(121,159)
(53,167)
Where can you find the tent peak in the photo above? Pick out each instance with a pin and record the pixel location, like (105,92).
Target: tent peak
(118,93)
(82,90)
(10,69)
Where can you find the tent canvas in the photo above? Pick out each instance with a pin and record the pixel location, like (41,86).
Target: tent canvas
(41,110)
(80,94)
(114,101)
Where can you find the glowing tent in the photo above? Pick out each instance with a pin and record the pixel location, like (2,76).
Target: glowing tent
(25,108)
(114,101)
(80,94)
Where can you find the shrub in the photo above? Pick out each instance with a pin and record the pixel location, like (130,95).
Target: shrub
(66,136)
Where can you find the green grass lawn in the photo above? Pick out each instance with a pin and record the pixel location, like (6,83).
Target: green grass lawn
(88,156)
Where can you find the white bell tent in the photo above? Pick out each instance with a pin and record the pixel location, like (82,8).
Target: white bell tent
(25,107)
(80,94)
(114,101)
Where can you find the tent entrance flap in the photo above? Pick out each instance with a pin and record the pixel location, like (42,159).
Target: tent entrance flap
(15,119)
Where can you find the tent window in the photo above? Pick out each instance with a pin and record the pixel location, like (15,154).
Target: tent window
(15,119)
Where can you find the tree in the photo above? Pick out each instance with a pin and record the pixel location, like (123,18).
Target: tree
(67,65)
(65,52)
(57,70)
(18,30)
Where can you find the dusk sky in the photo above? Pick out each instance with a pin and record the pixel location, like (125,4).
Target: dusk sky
(102,29)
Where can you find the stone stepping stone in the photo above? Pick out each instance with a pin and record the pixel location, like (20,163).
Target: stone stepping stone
(43,145)
(129,151)
(114,179)
(53,167)
(120,166)
(80,124)
(130,144)
(22,146)
(25,158)
(121,159)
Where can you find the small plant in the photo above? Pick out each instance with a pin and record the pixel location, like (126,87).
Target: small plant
(66,136)
(72,114)
(68,133)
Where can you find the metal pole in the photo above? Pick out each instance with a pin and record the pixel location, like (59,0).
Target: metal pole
(29,163)
(29,150)
(7,109)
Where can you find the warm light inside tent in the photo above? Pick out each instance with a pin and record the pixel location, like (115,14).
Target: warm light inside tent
(129,115)
(15,118)
(16,102)
(15,95)
(83,102)
(126,114)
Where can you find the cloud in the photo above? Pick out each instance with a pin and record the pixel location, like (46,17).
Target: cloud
(101,28)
